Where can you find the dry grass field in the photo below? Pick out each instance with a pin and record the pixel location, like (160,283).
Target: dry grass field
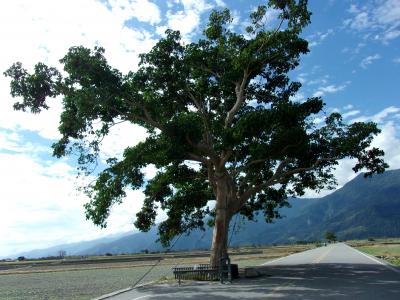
(387,249)
(90,277)
(94,276)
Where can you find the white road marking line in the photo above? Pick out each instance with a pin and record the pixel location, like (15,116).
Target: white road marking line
(141,297)
(320,258)
(375,260)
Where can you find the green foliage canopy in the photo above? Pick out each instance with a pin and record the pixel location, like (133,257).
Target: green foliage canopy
(224,102)
(330,236)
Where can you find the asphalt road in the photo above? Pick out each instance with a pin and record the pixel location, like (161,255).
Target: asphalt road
(332,272)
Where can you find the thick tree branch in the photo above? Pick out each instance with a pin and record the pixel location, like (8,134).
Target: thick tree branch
(262,160)
(273,180)
(203,113)
(252,163)
(208,70)
(195,101)
(211,177)
(239,89)
(199,146)
(206,149)
(198,158)
(225,157)
(146,118)
(149,120)
(267,40)
(279,177)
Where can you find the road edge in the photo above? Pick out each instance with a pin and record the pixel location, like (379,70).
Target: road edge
(375,259)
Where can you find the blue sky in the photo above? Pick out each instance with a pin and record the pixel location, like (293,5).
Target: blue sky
(354,64)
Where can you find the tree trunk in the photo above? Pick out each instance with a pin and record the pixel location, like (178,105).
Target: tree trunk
(220,237)
(223,216)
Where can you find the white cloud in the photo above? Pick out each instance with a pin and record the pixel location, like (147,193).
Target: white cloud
(388,12)
(359,22)
(389,35)
(149,171)
(120,137)
(319,37)
(220,3)
(37,193)
(388,140)
(302,78)
(59,25)
(298,97)
(343,174)
(322,81)
(350,114)
(198,5)
(369,60)
(236,18)
(143,10)
(382,18)
(354,50)
(40,196)
(330,89)
(187,21)
(9,141)
(14,142)
(381,116)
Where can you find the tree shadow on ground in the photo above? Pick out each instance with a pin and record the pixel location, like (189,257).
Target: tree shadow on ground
(311,281)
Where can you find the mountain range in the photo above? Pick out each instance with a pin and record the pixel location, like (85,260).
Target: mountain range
(363,208)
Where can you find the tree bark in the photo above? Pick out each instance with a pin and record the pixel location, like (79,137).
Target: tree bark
(222,219)
(220,237)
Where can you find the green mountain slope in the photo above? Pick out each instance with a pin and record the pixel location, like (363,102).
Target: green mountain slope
(363,208)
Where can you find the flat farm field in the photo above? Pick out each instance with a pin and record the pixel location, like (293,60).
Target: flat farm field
(92,277)
(387,249)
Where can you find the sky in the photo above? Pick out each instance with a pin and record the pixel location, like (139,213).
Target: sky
(354,64)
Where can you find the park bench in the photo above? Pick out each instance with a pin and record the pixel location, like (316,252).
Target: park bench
(206,272)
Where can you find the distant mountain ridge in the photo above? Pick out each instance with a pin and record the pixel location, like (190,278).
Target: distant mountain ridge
(363,208)
(76,248)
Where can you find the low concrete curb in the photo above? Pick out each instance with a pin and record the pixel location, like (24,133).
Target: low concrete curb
(123,291)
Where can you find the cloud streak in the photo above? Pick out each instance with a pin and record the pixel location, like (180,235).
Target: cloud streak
(388,140)
(188,19)
(330,89)
(381,19)
(369,60)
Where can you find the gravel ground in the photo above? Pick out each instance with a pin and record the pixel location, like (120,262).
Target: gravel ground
(85,284)
(93,280)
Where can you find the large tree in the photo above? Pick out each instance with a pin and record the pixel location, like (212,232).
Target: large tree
(224,102)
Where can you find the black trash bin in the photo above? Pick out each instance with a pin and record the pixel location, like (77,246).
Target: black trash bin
(235,271)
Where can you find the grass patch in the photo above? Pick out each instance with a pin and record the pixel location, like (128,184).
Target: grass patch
(388,252)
